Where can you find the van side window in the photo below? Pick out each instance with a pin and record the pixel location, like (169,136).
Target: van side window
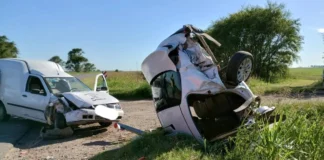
(35,86)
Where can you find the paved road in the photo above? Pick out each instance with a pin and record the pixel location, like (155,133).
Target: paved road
(11,132)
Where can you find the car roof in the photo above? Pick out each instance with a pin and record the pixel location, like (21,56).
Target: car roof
(42,67)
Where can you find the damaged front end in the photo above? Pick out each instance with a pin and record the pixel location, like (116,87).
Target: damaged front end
(62,112)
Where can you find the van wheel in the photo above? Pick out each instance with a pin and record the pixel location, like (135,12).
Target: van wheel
(3,113)
(60,121)
(239,67)
(105,124)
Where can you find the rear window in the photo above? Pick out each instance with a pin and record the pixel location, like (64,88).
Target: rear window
(166,90)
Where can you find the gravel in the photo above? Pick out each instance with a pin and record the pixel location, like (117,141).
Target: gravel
(88,140)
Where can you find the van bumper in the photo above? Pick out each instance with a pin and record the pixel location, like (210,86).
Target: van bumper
(87,116)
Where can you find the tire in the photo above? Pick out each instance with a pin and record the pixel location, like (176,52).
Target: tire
(241,64)
(3,113)
(105,124)
(60,121)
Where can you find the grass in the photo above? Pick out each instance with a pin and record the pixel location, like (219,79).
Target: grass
(132,85)
(124,85)
(300,80)
(300,136)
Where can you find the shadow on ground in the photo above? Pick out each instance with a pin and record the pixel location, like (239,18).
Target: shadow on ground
(154,145)
(25,134)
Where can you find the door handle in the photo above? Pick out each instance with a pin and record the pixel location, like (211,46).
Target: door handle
(24,95)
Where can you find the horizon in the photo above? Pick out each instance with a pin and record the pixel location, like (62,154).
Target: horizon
(119,35)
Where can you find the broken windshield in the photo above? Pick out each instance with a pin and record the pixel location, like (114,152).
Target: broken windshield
(66,84)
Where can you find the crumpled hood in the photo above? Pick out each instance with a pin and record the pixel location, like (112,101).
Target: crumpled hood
(87,99)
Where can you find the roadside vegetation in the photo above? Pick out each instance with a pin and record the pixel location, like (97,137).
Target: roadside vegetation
(122,84)
(299,81)
(300,136)
(132,85)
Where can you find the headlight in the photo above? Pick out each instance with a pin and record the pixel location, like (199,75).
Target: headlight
(114,105)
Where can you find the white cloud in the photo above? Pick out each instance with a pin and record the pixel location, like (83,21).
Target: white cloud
(320,30)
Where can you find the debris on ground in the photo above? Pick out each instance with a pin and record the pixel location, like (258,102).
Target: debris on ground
(56,133)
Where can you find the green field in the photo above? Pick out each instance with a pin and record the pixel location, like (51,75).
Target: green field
(132,85)
(300,80)
(124,85)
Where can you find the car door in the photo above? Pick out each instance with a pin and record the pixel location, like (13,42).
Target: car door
(101,83)
(35,98)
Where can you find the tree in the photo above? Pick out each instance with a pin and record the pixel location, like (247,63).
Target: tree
(57,60)
(269,33)
(76,60)
(7,49)
(89,67)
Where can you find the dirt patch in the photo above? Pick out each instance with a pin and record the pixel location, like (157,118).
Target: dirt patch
(88,140)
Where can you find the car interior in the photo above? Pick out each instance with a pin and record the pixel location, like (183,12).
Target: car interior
(34,85)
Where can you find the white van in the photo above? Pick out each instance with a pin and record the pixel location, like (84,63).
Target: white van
(42,91)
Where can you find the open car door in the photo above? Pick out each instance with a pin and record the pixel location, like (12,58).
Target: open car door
(101,83)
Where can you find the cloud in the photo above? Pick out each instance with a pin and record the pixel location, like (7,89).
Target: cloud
(320,30)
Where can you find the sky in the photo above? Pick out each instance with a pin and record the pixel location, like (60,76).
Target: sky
(119,34)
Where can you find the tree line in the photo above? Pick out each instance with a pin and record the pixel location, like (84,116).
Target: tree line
(76,61)
(269,33)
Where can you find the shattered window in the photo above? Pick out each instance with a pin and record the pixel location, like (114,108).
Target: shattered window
(66,84)
(166,90)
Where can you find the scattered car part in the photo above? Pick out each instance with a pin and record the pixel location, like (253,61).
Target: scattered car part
(56,133)
(121,126)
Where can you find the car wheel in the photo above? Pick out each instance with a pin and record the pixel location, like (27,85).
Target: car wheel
(60,121)
(3,113)
(105,124)
(239,67)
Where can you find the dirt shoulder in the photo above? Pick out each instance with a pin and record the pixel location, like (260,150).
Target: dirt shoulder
(89,140)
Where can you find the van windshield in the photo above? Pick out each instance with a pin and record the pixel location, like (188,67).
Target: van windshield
(66,84)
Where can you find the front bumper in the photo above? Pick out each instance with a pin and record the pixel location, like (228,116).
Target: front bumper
(87,116)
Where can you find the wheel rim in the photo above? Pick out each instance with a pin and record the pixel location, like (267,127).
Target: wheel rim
(244,70)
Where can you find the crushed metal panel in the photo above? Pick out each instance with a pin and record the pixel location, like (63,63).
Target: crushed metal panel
(156,63)
(159,61)
(87,99)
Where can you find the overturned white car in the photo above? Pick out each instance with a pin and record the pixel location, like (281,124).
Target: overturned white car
(43,92)
(190,95)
